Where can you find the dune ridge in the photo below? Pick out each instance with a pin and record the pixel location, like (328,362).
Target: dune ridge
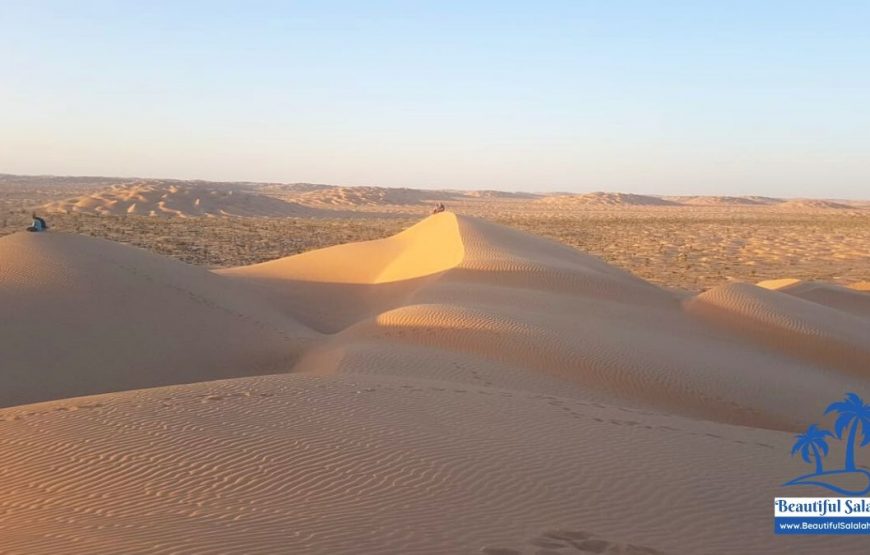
(460,387)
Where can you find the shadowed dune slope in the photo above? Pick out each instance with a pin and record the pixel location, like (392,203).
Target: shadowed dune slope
(83,315)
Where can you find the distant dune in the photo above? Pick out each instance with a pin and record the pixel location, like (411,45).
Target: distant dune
(460,387)
(169,199)
(725,201)
(57,181)
(813,204)
(501,195)
(606,199)
(190,198)
(371,196)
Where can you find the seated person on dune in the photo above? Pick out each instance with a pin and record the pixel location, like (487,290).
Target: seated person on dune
(38,224)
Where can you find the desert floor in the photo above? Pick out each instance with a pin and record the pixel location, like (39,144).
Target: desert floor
(702,243)
(452,386)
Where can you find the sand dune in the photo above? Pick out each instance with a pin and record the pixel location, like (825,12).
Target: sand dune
(84,315)
(170,199)
(725,201)
(797,326)
(491,293)
(460,387)
(847,299)
(432,246)
(386,196)
(368,464)
(606,199)
(813,204)
(371,196)
(489,194)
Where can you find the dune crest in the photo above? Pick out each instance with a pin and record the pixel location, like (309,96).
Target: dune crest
(429,247)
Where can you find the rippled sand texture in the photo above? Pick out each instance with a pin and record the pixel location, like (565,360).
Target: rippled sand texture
(460,387)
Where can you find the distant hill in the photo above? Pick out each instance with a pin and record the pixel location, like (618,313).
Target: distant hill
(117,195)
(501,194)
(372,196)
(814,204)
(725,201)
(55,181)
(607,199)
(173,199)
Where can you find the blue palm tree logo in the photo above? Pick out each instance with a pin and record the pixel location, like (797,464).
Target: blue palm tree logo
(854,415)
(852,411)
(813,439)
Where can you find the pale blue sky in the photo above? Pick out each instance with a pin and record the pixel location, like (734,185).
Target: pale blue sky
(662,97)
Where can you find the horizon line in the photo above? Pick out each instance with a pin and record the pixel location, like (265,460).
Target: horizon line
(421,188)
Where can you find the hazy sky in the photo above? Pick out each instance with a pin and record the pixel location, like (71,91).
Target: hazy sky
(728,97)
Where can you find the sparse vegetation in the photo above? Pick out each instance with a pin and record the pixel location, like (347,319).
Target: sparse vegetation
(687,247)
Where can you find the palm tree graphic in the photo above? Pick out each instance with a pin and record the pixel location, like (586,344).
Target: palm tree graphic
(854,413)
(812,440)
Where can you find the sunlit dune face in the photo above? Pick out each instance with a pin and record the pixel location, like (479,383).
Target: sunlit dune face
(428,248)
